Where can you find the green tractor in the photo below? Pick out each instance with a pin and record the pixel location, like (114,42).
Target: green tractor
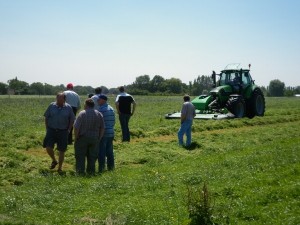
(234,96)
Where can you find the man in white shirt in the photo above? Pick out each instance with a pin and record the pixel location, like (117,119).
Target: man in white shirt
(73,99)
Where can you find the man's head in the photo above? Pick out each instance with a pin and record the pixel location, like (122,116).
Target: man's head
(70,86)
(98,90)
(121,89)
(186,98)
(60,99)
(89,103)
(102,99)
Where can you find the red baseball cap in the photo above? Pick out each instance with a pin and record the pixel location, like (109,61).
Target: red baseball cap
(69,85)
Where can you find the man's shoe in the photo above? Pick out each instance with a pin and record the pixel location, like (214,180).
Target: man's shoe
(53,165)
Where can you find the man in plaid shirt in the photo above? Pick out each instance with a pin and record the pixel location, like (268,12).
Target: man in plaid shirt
(89,129)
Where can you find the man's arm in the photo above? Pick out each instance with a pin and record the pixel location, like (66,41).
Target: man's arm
(117,107)
(71,120)
(133,107)
(101,130)
(76,131)
(46,122)
(183,114)
(182,117)
(77,125)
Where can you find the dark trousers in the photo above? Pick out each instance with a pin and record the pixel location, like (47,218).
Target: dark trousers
(124,120)
(70,137)
(86,148)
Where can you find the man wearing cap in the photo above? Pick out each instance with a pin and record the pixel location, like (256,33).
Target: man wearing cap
(89,129)
(73,99)
(106,143)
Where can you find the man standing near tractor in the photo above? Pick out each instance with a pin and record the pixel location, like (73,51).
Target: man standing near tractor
(187,115)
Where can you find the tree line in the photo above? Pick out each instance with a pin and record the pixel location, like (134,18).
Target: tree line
(142,85)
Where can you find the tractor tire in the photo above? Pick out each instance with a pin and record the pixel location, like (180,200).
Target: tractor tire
(256,104)
(236,105)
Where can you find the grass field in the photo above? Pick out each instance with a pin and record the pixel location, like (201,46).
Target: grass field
(250,166)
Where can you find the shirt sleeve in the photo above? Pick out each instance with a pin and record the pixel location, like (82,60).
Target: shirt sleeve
(183,109)
(47,112)
(77,122)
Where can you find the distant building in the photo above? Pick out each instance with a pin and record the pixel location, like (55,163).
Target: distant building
(11,91)
(297,95)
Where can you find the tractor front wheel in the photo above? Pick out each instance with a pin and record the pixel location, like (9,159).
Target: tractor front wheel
(236,105)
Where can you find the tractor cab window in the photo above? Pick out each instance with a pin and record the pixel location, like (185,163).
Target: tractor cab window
(223,79)
(234,77)
(246,78)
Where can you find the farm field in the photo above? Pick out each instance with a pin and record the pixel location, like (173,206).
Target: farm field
(251,168)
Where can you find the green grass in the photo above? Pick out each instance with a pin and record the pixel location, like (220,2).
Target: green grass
(251,168)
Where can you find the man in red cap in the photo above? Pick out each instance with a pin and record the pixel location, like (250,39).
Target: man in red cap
(73,99)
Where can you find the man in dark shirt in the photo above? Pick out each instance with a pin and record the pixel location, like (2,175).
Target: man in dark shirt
(125,105)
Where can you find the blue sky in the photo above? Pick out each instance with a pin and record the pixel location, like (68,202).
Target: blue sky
(110,42)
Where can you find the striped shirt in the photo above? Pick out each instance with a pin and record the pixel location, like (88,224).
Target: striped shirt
(89,122)
(109,119)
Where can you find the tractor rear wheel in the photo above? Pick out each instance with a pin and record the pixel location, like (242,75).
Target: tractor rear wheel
(256,104)
(236,105)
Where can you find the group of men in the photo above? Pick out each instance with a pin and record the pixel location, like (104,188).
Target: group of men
(93,128)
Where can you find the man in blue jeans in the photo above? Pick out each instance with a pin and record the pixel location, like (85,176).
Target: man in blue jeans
(187,115)
(106,143)
(125,105)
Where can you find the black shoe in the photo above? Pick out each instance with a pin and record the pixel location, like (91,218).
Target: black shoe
(53,165)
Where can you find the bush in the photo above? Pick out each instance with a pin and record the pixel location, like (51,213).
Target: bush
(199,206)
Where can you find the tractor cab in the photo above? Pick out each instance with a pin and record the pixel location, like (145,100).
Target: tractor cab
(234,79)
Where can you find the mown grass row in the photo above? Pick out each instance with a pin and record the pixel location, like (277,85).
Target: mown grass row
(251,168)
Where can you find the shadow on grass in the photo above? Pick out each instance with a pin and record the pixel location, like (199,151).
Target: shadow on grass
(194,145)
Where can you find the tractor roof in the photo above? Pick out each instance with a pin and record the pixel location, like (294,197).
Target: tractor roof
(236,67)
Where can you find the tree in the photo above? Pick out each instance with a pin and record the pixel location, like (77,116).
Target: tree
(174,85)
(157,84)
(3,88)
(264,90)
(276,88)
(200,84)
(19,87)
(289,91)
(297,90)
(49,90)
(37,88)
(142,82)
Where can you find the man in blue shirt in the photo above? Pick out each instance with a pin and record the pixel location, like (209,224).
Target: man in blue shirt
(59,118)
(106,143)
(125,105)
